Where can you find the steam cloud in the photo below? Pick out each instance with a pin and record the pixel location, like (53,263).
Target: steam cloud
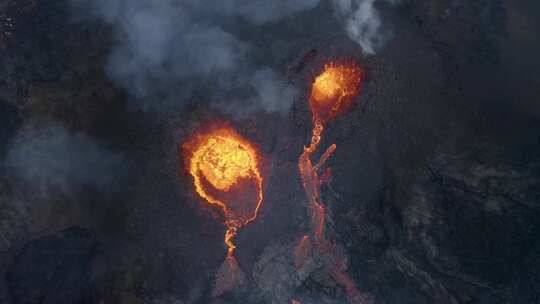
(170,51)
(362,22)
(49,159)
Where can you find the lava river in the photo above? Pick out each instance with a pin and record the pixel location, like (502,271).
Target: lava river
(332,93)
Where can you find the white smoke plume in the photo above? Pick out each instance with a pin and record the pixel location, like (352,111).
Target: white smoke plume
(362,22)
(169,51)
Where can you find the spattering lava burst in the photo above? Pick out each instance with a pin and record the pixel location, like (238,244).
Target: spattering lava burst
(225,170)
(219,161)
(334,89)
(332,92)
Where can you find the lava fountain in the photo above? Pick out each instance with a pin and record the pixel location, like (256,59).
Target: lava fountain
(334,89)
(225,170)
(332,93)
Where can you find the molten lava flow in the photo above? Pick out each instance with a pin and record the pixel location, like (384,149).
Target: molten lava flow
(220,159)
(223,164)
(332,92)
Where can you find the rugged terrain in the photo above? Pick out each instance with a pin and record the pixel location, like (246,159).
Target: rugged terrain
(435,192)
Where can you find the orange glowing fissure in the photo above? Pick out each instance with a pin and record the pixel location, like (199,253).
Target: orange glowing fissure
(332,93)
(218,161)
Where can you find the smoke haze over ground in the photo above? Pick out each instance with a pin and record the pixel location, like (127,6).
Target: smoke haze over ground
(167,49)
(433,192)
(51,159)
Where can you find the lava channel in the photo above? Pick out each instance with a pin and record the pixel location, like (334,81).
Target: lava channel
(225,170)
(332,93)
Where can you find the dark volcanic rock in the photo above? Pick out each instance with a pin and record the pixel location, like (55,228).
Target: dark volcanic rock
(467,30)
(54,269)
(465,231)
(474,216)
(421,223)
(9,120)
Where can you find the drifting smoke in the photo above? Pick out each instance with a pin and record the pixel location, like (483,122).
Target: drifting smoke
(262,11)
(268,91)
(51,160)
(362,22)
(170,51)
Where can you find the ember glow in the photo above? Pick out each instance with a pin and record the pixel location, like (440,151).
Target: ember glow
(219,161)
(332,92)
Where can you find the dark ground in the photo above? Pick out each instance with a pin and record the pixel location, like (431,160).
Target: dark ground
(436,185)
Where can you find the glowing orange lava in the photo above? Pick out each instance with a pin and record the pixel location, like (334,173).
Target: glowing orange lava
(334,89)
(221,161)
(332,92)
